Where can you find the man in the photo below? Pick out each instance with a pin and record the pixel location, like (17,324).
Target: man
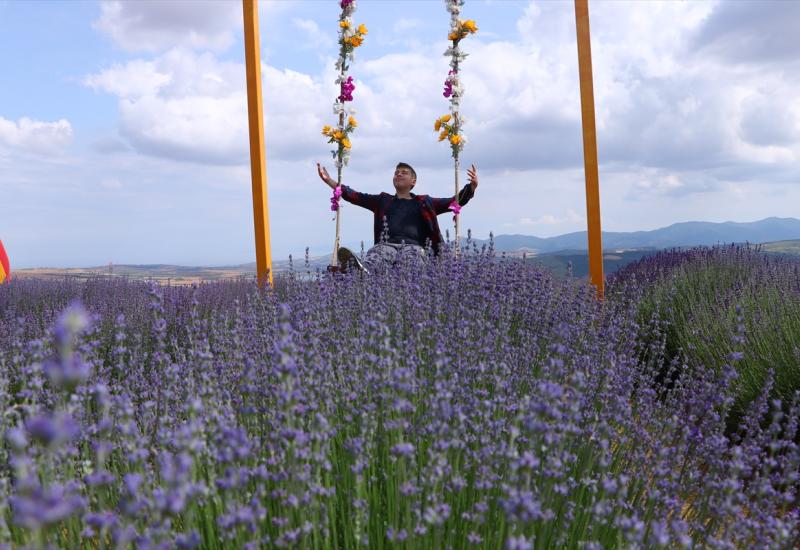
(403,222)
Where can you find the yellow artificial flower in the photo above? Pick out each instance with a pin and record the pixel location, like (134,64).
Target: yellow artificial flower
(469,24)
(346,143)
(352,122)
(452,36)
(443,135)
(362,29)
(338,135)
(455,139)
(438,125)
(356,41)
(446,118)
(326,130)
(344,24)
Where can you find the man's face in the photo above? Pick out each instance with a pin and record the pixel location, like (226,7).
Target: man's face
(403,180)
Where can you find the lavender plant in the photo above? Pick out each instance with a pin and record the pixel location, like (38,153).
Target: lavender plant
(469,402)
(715,303)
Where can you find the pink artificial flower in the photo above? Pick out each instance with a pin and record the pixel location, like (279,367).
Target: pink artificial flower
(347,90)
(448,86)
(337,194)
(345,3)
(455,207)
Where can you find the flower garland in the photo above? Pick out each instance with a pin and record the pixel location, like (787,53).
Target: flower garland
(450,125)
(350,38)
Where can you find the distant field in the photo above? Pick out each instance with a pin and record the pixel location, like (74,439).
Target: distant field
(559,262)
(164,273)
(783,247)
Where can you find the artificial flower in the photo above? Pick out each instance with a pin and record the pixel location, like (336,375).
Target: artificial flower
(346,143)
(352,122)
(347,90)
(337,194)
(326,130)
(455,139)
(362,29)
(455,208)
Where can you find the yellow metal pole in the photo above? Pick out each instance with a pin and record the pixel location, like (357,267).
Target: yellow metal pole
(258,167)
(589,147)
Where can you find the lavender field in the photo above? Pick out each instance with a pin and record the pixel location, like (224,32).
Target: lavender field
(469,403)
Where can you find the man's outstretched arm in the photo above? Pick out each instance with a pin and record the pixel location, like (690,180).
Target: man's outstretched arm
(442,206)
(364,200)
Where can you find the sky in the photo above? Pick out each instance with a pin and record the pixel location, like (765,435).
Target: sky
(123,125)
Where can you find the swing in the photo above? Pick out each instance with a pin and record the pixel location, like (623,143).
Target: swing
(449,126)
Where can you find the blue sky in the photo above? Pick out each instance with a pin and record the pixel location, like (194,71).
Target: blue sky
(123,129)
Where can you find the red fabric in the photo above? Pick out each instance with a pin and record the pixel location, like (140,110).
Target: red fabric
(4,261)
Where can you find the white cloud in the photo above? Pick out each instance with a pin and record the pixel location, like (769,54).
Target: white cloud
(35,136)
(657,106)
(193,107)
(136,79)
(570,217)
(158,25)
(315,38)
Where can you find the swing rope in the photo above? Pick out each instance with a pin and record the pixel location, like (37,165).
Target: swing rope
(350,38)
(450,125)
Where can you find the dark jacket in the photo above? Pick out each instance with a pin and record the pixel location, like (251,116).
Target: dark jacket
(429,206)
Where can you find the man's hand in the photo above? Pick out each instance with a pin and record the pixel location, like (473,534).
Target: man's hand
(473,177)
(324,176)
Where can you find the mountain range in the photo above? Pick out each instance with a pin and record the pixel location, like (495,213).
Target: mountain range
(675,235)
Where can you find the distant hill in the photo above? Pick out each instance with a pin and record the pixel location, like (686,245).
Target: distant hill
(576,262)
(679,234)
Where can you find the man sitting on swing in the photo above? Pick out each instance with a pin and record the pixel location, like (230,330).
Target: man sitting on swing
(410,219)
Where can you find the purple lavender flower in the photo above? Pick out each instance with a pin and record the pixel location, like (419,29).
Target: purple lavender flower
(403,449)
(16,438)
(42,506)
(52,431)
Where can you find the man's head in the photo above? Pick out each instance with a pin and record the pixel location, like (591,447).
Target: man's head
(405,178)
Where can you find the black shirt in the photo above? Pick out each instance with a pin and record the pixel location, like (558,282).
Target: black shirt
(404,218)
